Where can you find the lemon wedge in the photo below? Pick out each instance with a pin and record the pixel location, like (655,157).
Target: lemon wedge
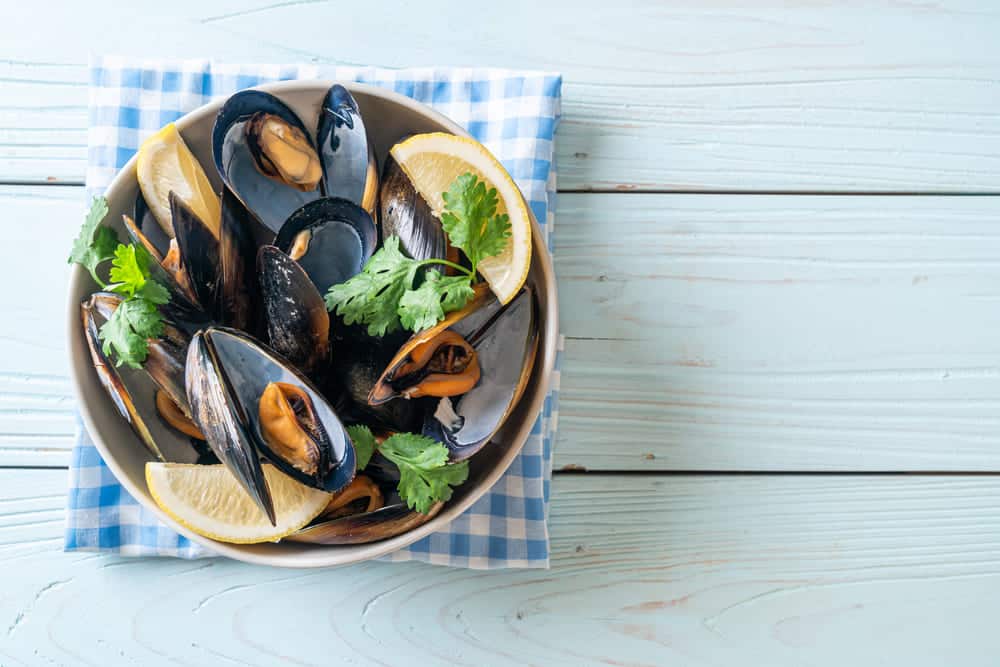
(433,161)
(166,164)
(208,500)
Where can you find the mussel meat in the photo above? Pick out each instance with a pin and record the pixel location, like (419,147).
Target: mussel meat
(264,155)
(330,238)
(505,347)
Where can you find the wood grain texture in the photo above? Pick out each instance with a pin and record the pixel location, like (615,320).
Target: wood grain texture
(674,570)
(859,96)
(705,332)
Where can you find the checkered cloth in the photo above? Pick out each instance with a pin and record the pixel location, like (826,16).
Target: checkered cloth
(513,113)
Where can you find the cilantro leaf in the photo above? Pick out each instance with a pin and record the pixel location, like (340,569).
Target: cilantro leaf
(364,444)
(372,296)
(94,244)
(126,331)
(470,219)
(425,306)
(425,477)
(130,273)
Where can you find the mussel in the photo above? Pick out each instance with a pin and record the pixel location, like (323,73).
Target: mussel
(406,214)
(265,156)
(499,340)
(164,365)
(298,324)
(250,403)
(349,168)
(331,238)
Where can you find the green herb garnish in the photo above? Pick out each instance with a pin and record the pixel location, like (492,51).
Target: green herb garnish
(137,318)
(425,476)
(94,244)
(383,296)
(364,444)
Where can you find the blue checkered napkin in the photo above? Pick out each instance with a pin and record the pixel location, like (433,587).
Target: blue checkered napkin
(513,113)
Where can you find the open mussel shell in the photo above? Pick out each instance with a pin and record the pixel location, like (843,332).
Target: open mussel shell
(130,390)
(112,381)
(298,324)
(265,156)
(393,519)
(349,168)
(330,238)
(227,374)
(405,213)
(506,347)
(398,377)
(183,308)
(150,228)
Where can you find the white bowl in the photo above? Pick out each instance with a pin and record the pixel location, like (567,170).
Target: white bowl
(388,117)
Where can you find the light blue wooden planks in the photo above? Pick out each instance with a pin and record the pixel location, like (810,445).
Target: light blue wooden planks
(692,570)
(681,96)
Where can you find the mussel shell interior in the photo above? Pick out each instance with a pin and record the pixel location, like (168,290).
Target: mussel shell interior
(341,239)
(506,352)
(269,200)
(248,368)
(343,146)
(149,227)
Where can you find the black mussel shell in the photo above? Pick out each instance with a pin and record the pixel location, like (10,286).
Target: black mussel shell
(298,324)
(151,230)
(199,252)
(236,283)
(405,213)
(270,200)
(331,238)
(506,348)
(349,169)
(356,368)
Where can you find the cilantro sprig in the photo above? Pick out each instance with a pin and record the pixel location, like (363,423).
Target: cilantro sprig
(94,245)
(386,296)
(425,476)
(136,319)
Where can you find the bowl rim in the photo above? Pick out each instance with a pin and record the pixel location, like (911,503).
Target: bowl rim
(330,555)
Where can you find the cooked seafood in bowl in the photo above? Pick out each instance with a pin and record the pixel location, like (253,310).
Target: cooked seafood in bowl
(307,348)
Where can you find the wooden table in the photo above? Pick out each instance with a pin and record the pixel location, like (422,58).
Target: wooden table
(778,250)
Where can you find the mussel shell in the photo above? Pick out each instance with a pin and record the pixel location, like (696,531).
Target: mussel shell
(356,367)
(182,309)
(112,381)
(405,213)
(243,368)
(236,283)
(150,228)
(389,521)
(349,169)
(298,323)
(342,237)
(199,250)
(269,200)
(465,322)
(131,390)
(506,349)
(224,422)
